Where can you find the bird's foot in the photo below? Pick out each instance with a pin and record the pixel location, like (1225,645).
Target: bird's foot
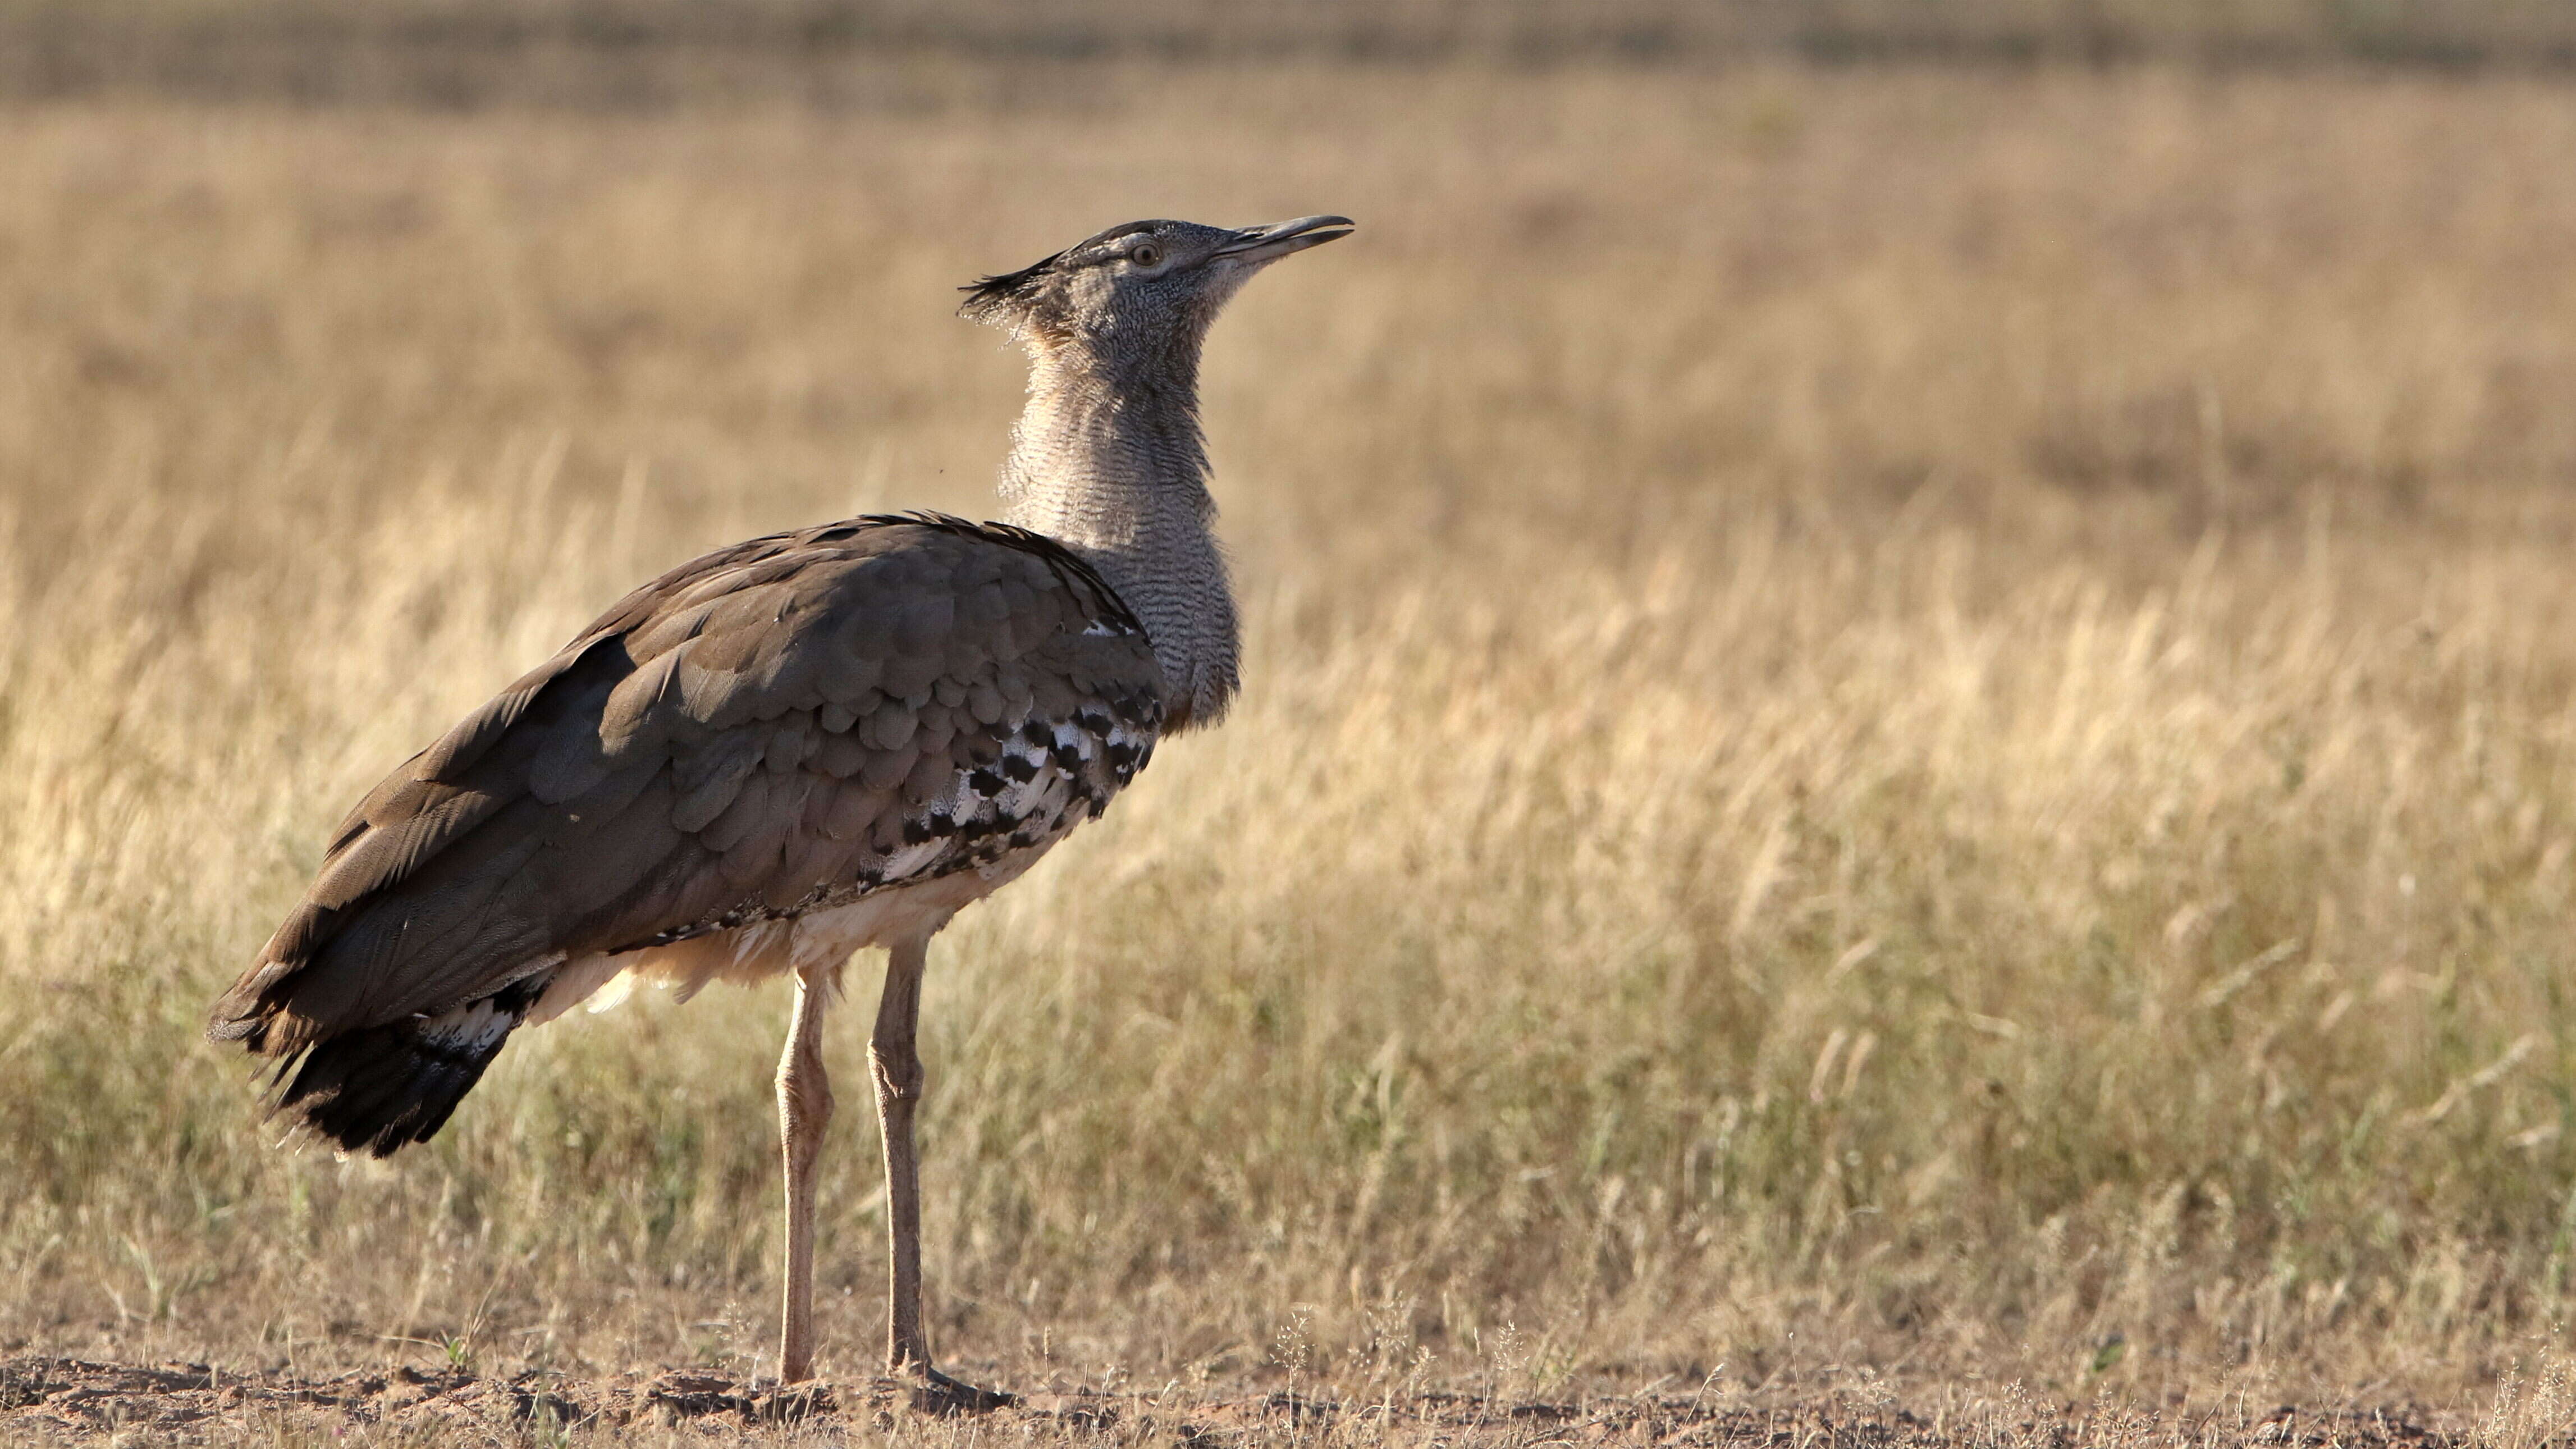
(792,1403)
(925,1390)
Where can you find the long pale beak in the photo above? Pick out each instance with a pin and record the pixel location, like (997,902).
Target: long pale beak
(1269,243)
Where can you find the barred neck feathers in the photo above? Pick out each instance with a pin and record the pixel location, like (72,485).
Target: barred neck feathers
(1108,459)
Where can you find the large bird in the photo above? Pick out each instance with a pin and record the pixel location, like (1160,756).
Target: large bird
(793,748)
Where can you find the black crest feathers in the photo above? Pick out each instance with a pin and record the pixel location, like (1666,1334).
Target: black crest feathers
(986,296)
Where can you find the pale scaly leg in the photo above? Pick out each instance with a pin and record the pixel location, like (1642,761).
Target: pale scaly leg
(804,1111)
(897,1067)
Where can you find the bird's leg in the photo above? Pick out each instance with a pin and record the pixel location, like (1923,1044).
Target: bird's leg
(804,1110)
(897,1068)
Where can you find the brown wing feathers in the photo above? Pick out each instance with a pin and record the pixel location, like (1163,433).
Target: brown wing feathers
(774,727)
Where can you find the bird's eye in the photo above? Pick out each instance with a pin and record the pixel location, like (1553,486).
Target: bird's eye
(1147,255)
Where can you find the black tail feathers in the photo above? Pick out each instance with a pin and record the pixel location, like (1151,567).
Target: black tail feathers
(382,1088)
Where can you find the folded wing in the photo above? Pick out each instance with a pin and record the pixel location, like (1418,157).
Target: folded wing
(779,727)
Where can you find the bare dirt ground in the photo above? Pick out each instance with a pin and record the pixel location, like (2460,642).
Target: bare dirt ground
(50,1400)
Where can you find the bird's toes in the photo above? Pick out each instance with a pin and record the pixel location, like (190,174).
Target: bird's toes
(925,1390)
(792,1403)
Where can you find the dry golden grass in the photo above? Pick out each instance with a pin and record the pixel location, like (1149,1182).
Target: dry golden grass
(1895,719)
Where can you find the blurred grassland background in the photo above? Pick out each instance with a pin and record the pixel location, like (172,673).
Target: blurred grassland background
(1899,714)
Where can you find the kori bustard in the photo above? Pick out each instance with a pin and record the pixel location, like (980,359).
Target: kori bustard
(793,748)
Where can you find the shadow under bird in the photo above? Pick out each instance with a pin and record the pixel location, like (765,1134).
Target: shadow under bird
(790,749)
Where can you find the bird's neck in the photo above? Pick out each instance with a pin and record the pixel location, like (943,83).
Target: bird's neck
(1110,462)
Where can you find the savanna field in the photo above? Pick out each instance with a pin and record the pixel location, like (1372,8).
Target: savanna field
(1910,734)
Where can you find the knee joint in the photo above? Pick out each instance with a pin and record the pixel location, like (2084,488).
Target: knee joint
(805,1099)
(899,1079)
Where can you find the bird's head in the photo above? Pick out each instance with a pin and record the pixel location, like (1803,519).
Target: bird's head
(1139,288)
